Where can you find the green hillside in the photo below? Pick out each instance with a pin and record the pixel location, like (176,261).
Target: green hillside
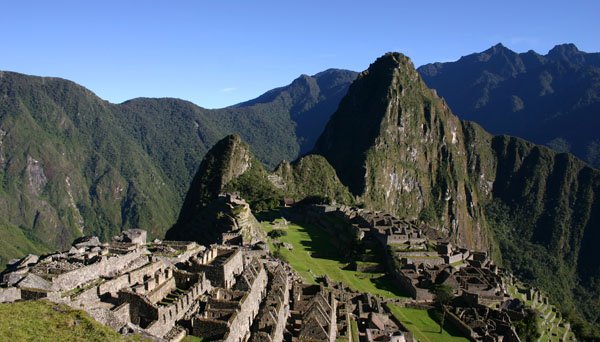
(72,164)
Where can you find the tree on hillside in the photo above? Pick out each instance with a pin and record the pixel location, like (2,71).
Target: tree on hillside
(528,327)
(443,294)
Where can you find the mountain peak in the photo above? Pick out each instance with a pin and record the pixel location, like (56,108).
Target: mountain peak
(565,51)
(396,58)
(384,142)
(499,49)
(226,160)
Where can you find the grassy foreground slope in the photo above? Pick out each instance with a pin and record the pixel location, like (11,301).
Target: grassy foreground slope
(46,321)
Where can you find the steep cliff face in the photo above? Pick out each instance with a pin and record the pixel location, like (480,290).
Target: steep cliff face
(398,146)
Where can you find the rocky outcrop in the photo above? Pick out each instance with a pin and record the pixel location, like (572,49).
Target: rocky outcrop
(227,160)
(229,167)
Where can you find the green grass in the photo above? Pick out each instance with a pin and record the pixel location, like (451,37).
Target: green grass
(354,327)
(46,321)
(190,338)
(314,255)
(423,327)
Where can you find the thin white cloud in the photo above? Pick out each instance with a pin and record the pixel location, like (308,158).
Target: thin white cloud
(528,41)
(227,90)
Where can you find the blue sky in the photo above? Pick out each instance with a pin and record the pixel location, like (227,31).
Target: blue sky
(218,53)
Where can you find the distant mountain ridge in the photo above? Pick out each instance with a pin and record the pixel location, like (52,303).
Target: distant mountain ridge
(551,99)
(309,100)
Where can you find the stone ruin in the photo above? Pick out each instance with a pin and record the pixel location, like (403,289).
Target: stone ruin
(162,290)
(419,260)
(165,290)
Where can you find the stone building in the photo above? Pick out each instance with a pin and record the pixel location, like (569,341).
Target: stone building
(156,289)
(230,313)
(313,314)
(220,264)
(270,323)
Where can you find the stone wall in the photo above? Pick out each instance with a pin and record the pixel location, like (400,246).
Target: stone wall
(417,260)
(222,273)
(453,320)
(454,258)
(161,290)
(210,328)
(141,310)
(138,276)
(114,318)
(86,298)
(104,268)
(9,294)
(169,314)
(114,285)
(240,325)
(273,314)
(233,267)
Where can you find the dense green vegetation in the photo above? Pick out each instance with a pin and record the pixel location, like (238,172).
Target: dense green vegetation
(549,99)
(312,176)
(46,321)
(69,166)
(548,232)
(528,328)
(534,264)
(443,294)
(552,324)
(255,187)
